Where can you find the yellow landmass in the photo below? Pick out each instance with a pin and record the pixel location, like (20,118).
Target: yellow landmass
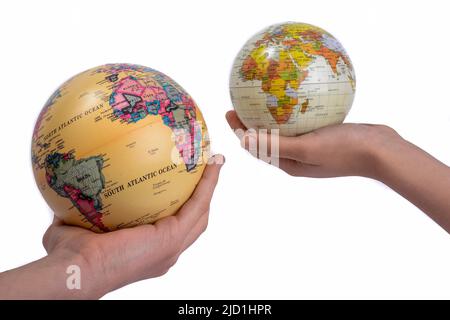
(259,55)
(300,58)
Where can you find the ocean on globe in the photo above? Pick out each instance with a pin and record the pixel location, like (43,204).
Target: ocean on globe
(293,77)
(117,146)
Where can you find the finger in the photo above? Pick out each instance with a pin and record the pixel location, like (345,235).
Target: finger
(263,144)
(196,231)
(234,121)
(236,125)
(199,202)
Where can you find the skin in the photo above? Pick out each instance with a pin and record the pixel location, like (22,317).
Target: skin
(112,260)
(373,151)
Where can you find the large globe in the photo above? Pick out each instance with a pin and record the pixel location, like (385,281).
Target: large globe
(293,77)
(117,146)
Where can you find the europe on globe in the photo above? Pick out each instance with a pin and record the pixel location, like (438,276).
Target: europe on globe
(293,77)
(117,146)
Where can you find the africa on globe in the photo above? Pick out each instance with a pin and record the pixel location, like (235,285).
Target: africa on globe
(117,146)
(293,77)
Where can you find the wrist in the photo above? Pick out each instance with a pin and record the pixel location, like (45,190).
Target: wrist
(82,278)
(382,143)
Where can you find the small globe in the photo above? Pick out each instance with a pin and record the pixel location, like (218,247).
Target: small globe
(293,77)
(117,146)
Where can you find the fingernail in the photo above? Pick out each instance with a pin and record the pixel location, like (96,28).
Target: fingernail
(217,159)
(220,159)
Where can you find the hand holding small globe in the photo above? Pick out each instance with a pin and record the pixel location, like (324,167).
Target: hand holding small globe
(349,149)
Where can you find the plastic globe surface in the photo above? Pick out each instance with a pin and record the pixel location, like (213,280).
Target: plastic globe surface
(294,77)
(117,146)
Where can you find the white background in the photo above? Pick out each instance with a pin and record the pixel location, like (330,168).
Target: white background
(270,235)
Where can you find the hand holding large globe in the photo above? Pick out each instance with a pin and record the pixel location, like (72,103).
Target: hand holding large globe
(117,146)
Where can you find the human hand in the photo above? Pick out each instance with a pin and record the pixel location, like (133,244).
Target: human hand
(112,260)
(337,150)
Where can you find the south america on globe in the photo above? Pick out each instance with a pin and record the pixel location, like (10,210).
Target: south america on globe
(117,146)
(293,77)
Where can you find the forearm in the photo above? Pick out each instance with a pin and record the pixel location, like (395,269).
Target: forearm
(47,278)
(417,176)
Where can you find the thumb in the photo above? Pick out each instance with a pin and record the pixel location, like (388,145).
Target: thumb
(199,202)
